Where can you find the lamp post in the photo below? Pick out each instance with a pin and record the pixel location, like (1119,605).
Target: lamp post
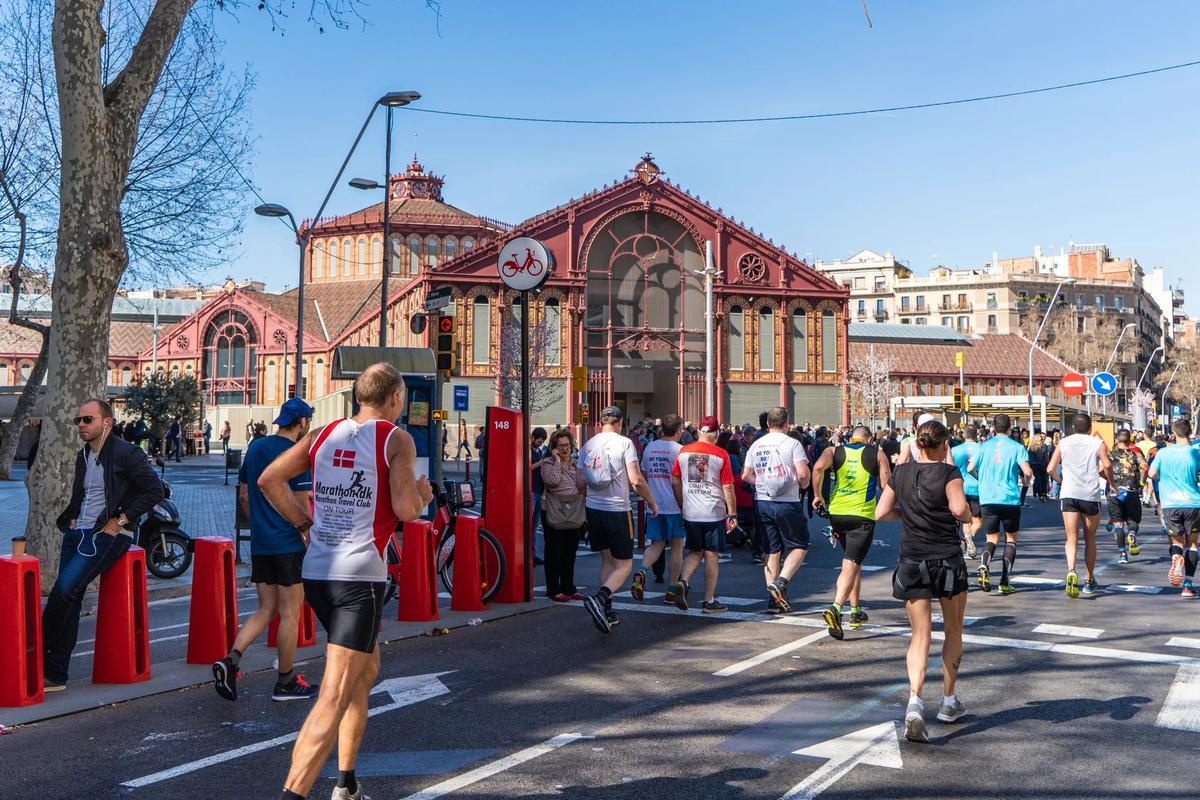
(390,101)
(1113,356)
(1163,404)
(1038,335)
(709,273)
(1139,417)
(276,210)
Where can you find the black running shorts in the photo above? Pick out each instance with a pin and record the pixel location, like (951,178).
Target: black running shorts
(277,570)
(855,534)
(784,525)
(1182,521)
(351,612)
(997,516)
(705,536)
(973,504)
(917,580)
(611,531)
(1089,508)
(1128,511)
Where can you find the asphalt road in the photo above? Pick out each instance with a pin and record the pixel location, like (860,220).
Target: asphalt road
(683,705)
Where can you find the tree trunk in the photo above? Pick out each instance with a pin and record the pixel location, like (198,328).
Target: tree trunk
(16,426)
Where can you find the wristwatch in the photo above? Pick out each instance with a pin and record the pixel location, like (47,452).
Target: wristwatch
(123,521)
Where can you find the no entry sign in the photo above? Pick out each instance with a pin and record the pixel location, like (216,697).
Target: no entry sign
(1073,384)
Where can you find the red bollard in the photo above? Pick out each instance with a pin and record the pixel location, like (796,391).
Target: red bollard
(122,622)
(468,586)
(418,600)
(213,619)
(20,632)
(307,633)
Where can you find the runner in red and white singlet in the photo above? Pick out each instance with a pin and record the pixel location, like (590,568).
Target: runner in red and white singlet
(363,484)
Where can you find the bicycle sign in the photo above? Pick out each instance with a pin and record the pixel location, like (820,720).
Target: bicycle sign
(525,263)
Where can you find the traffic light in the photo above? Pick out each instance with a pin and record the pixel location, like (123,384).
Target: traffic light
(443,346)
(957,405)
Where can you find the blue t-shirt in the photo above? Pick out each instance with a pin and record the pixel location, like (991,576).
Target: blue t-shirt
(270,533)
(998,468)
(1178,468)
(962,455)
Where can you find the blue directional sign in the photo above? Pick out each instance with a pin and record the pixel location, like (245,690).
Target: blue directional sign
(461,398)
(1176,410)
(1104,383)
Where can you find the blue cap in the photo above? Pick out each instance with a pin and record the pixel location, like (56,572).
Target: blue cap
(293,410)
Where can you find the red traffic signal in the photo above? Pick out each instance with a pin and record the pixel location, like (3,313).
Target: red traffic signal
(445,324)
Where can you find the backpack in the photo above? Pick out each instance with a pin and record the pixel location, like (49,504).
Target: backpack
(598,471)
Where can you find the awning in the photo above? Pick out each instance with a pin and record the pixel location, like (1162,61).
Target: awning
(350,362)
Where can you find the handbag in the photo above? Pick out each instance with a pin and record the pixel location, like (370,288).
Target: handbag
(564,512)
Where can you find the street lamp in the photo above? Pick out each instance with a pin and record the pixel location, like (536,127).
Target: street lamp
(1163,404)
(1111,358)
(709,274)
(1139,417)
(1038,335)
(390,101)
(276,210)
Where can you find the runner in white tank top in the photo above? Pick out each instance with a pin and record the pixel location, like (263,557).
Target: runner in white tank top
(1082,465)
(363,483)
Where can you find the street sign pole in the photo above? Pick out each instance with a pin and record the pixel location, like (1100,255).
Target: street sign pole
(528,515)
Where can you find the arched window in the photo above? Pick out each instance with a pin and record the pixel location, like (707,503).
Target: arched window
(229,376)
(481,327)
(431,251)
(347,257)
(829,354)
(414,255)
(376,254)
(451,247)
(468,243)
(4,374)
(362,257)
(737,339)
(553,333)
(766,339)
(304,379)
(332,258)
(318,260)
(272,383)
(799,341)
(319,378)
(397,250)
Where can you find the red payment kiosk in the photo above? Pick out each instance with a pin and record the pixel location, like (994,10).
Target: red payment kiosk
(506,483)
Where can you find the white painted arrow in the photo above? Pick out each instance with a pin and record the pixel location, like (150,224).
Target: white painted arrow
(876,745)
(404,691)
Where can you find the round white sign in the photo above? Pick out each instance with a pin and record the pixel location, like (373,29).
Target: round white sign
(525,263)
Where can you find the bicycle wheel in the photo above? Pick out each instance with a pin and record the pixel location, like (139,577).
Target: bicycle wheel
(492,567)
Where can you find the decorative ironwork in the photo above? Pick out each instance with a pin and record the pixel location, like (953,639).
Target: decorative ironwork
(752,268)
(279,338)
(181,342)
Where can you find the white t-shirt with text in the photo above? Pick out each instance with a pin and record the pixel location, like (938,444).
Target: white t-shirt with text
(604,457)
(657,461)
(704,470)
(773,458)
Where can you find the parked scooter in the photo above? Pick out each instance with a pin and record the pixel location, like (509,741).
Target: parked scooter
(168,548)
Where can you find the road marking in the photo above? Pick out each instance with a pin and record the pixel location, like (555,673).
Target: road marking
(1179,641)
(496,767)
(152,641)
(246,592)
(1033,580)
(1181,710)
(1128,587)
(167,628)
(404,691)
(762,658)
(865,568)
(1069,630)
(877,745)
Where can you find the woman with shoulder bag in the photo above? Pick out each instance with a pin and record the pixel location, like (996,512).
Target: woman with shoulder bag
(563,517)
(927,495)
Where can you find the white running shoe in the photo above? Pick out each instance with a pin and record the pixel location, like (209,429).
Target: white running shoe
(914,724)
(950,712)
(342,793)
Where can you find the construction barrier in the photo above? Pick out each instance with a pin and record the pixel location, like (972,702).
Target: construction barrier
(20,631)
(123,622)
(468,582)
(306,635)
(418,596)
(213,620)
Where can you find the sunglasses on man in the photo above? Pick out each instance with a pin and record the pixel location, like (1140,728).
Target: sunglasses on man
(86,420)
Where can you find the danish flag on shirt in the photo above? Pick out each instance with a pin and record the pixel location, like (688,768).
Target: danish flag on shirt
(343,458)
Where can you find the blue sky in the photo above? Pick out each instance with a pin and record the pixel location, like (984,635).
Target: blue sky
(1114,162)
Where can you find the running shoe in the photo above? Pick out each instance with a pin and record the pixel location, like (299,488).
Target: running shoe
(669,598)
(595,609)
(52,686)
(611,616)
(680,590)
(577,596)
(972,550)
(295,689)
(342,793)
(1134,547)
(714,606)
(914,725)
(772,606)
(1122,558)
(1090,586)
(951,711)
(1188,591)
(778,593)
(1007,588)
(1175,575)
(225,678)
(833,622)
(1072,585)
(638,589)
(985,578)
(858,618)
(560,598)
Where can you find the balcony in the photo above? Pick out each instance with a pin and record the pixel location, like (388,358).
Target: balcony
(881,316)
(958,306)
(918,309)
(1177,298)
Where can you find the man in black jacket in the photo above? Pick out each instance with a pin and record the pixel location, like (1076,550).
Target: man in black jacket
(114,486)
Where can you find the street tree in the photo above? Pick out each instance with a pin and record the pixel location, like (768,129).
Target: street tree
(1185,386)
(544,390)
(160,396)
(871,385)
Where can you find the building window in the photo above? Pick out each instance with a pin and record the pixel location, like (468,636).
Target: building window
(992,326)
(272,381)
(828,342)
(318,259)
(962,325)
(319,378)
(799,341)
(468,243)
(362,257)
(26,368)
(1080,301)
(879,308)
(920,302)
(905,321)
(331,259)
(1099,302)
(945,301)
(431,252)
(862,308)
(948,322)
(962,301)
(1118,302)
(481,327)
(347,257)
(904,303)
(451,244)
(553,333)
(414,255)
(229,371)
(860,283)
(922,320)
(376,254)
(126,375)
(766,340)
(880,283)
(397,254)
(737,340)
(991,300)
